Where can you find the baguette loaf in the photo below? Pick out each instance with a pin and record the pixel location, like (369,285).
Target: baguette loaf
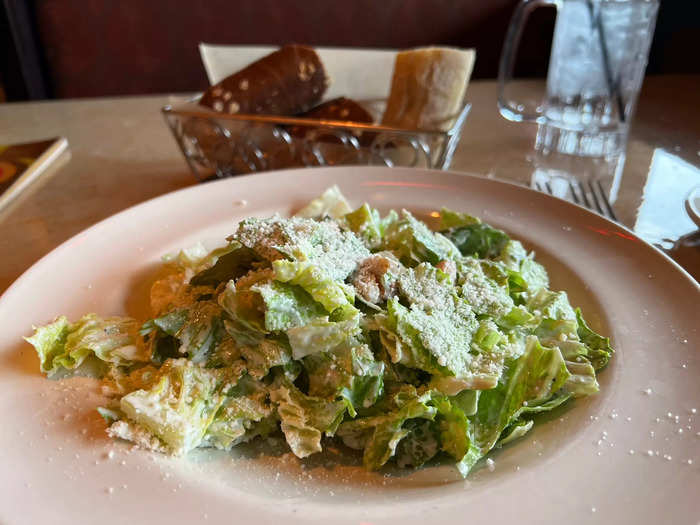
(428,87)
(289,81)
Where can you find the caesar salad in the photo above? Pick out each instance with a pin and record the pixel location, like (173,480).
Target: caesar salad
(407,344)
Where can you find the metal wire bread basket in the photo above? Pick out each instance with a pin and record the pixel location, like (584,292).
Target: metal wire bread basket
(224,145)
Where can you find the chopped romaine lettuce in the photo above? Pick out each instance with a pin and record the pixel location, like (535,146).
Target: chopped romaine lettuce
(331,204)
(420,444)
(380,435)
(413,242)
(179,407)
(410,345)
(287,305)
(599,349)
(324,290)
(92,342)
(264,355)
(245,413)
(350,372)
(231,265)
(484,294)
(476,238)
(334,250)
(453,219)
(529,381)
(321,335)
(304,419)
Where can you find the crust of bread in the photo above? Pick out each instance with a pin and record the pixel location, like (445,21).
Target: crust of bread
(428,87)
(289,81)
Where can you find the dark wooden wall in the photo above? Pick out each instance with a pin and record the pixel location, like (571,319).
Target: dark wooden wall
(84,48)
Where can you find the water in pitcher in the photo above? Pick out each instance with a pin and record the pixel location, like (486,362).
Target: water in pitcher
(596,69)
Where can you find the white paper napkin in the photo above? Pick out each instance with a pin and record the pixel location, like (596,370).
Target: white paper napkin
(361,74)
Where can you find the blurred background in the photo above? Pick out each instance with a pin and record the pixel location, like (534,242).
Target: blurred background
(88,48)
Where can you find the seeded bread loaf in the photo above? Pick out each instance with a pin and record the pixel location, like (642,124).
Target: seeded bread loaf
(340,108)
(289,81)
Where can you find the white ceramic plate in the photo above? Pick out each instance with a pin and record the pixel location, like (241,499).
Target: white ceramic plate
(623,456)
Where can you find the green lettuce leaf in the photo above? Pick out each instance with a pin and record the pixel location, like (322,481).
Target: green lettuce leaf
(529,381)
(467,401)
(348,371)
(331,203)
(258,305)
(599,349)
(454,427)
(512,255)
(245,413)
(225,353)
(191,259)
(564,334)
(201,332)
(170,323)
(286,305)
(264,355)
(515,430)
(321,335)
(159,335)
(520,426)
(534,274)
(470,459)
(366,223)
(553,331)
(198,330)
(487,336)
(582,380)
(230,265)
(420,444)
(65,347)
(402,339)
(450,219)
(439,342)
(478,240)
(322,243)
(304,419)
(380,435)
(482,293)
(558,399)
(518,318)
(324,290)
(413,242)
(245,306)
(179,407)
(120,381)
(427,288)
(547,304)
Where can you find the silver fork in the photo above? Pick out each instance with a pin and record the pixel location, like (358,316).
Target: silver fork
(589,194)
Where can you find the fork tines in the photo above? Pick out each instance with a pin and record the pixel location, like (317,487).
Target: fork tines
(589,194)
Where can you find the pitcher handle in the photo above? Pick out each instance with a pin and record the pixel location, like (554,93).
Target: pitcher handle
(509,108)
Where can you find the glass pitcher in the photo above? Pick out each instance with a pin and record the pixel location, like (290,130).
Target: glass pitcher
(599,54)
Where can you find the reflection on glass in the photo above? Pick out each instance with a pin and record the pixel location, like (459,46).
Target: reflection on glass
(559,170)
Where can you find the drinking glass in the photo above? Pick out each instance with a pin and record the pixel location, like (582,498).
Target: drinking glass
(599,54)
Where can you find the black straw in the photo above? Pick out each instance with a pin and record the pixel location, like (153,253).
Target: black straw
(612,85)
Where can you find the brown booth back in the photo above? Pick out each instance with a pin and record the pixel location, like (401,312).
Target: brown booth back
(105,47)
